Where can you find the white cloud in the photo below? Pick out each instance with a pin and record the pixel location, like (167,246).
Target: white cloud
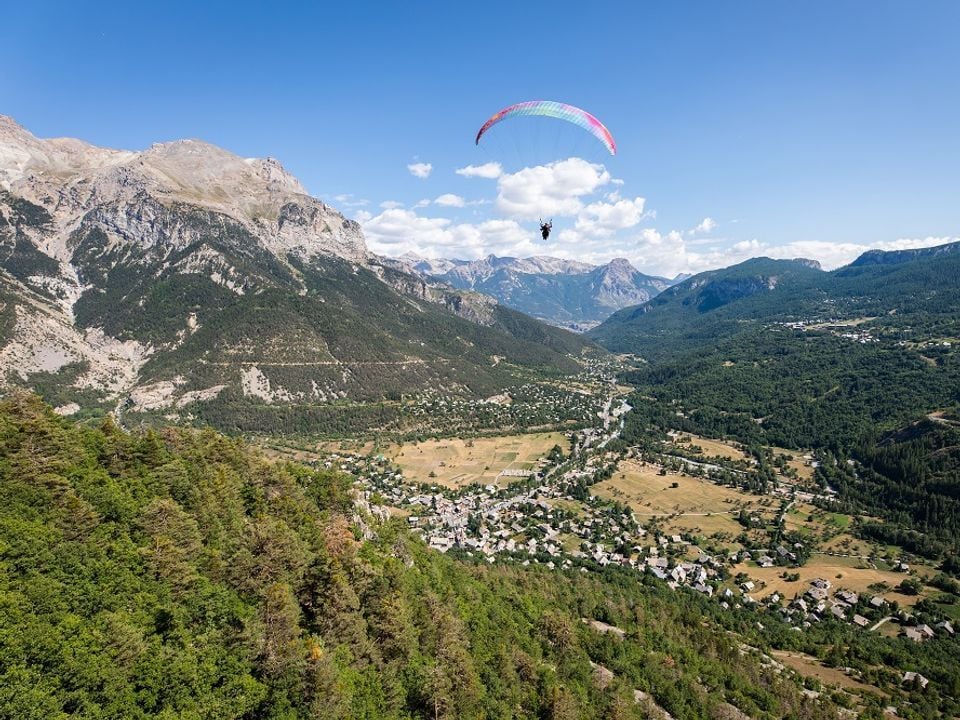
(350,201)
(420,170)
(671,254)
(394,232)
(421,204)
(707,225)
(489,171)
(391,204)
(549,190)
(833,255)
(602,219)
(450,200)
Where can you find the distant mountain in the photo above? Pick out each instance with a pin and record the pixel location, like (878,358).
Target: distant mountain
(717,303)
(860,365)
(897,257)
(187,281)
(562,292)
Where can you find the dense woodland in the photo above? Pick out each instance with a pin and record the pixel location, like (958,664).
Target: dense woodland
(173,573)
(876,397)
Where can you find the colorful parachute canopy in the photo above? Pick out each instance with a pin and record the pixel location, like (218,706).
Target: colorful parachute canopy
(561,111)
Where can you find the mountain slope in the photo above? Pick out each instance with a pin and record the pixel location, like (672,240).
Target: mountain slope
(701,307)
(763,290)
(183,276)
(860,364)
(561,292)
(182,574)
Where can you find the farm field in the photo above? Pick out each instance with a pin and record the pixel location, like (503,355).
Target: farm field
(707,525)
(841,572)
(649,493)
(713,448)
(455,463)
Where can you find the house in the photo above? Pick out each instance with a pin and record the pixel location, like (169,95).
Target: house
(915,678)
(945,626)
(850,598)
(747,586)
(926,630)
(877,602)
(912,634)
(837,612)
(860,620)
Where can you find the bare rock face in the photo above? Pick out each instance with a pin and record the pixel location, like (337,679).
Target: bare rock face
(184,279)
(567,293)
(122,191)
(78,221)
(475,307)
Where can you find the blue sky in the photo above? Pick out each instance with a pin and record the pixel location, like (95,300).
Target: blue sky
(816,128)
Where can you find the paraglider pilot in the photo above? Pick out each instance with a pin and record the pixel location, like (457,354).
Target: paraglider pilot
(545,228)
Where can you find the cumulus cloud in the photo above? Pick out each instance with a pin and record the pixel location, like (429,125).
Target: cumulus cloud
(549,190)
(489,171)
(450,200)
(602,219)
(394,232)
(420,170)
(391,204)
(669,254)
(833,255)
(707,225)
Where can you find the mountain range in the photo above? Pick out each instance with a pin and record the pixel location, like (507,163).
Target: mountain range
(184,280)
(566,293)
(903,287)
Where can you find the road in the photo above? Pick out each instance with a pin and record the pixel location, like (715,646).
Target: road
(881,622)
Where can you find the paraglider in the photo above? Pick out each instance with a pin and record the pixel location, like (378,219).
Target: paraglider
(545,228)
(558,110)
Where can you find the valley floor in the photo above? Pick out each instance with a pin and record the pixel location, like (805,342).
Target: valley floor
(585,500)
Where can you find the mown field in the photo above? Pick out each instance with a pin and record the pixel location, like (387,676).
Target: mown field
(457,462)
(641,486)
(711,448)
(842,572)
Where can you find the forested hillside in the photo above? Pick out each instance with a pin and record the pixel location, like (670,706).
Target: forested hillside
(173,573)
(860,364)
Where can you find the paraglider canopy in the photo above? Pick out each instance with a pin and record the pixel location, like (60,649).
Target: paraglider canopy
(561,111)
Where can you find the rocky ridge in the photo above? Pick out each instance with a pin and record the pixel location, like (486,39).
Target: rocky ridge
(184,274)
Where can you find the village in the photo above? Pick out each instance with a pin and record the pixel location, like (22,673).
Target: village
(572,402)
(547,515)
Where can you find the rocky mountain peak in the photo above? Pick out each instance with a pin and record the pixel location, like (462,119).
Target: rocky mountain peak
(78,182)
(619,269)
